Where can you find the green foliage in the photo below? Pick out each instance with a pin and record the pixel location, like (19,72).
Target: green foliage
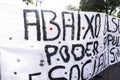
(28,1)
(107,6)
(111,5)
(118,15)
(92,5)
(71,8)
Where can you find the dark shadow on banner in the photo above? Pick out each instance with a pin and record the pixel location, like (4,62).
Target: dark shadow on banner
(0,66)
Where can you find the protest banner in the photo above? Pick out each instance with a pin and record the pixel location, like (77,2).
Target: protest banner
(40,44)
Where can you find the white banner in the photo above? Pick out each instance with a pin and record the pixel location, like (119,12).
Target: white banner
(49,45)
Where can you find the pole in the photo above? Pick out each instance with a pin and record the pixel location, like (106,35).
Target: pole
(106,6)
(40,1)
(36,3)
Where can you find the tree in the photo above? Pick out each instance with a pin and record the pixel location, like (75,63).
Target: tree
(28,1)
(118,14)
(92,5)
(107,6)
(111,5)
(71,8)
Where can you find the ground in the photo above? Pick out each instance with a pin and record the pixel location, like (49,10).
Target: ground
(111,73)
